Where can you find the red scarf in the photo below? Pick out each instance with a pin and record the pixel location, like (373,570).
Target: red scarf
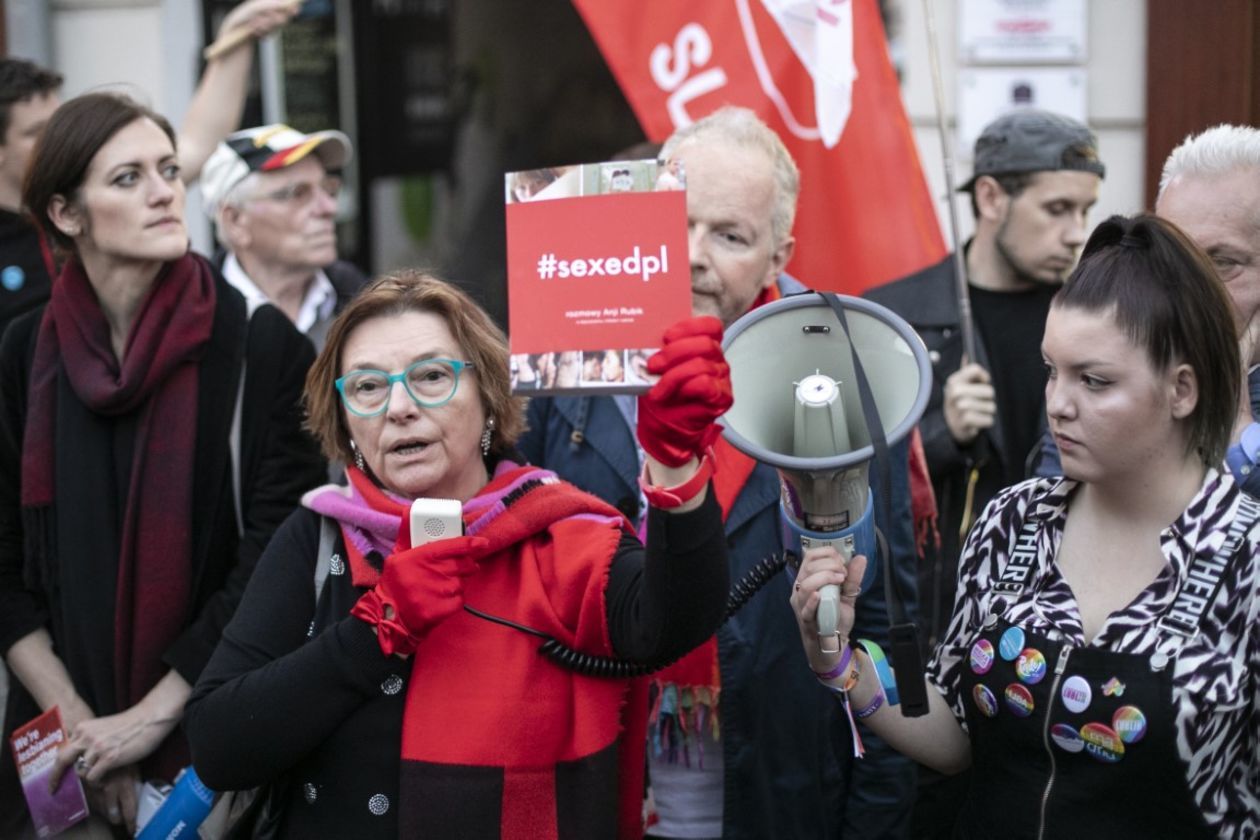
(158,379)
(549,549)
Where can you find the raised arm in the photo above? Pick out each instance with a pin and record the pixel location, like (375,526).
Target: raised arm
(675,599)
(219,100)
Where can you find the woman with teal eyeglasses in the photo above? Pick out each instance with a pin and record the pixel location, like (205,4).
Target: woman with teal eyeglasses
(405,693)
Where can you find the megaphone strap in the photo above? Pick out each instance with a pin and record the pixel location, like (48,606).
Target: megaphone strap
(902,633)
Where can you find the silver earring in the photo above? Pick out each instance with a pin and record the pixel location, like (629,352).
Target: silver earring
(487,436)
(358,457)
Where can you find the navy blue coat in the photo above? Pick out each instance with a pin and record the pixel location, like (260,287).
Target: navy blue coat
(786,745)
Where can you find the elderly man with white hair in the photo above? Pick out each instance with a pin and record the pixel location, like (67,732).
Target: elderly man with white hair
(272,192)
(1210,188)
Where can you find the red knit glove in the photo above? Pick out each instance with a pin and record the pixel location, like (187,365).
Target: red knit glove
(423,586)
(676,416)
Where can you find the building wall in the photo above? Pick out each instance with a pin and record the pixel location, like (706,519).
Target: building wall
(1116,68)
(147,49)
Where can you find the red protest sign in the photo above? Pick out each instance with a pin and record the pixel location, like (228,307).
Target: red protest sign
(595,272)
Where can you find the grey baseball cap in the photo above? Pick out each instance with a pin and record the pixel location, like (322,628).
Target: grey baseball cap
(1030,140)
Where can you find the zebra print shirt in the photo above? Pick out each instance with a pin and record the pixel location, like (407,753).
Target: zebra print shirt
(1216,676)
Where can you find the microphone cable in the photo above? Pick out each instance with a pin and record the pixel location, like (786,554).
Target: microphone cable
(609,667)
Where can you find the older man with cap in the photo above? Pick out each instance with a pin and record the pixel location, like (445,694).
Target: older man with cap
(1037,175)
(272,192)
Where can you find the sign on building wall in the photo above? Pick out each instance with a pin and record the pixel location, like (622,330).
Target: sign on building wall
(986,93)
(1022,31)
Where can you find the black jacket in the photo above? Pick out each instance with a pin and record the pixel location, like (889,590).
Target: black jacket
(346,279)
(278,463)
(928,301)
(300,695)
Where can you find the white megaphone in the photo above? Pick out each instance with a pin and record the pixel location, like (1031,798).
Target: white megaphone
(799,408)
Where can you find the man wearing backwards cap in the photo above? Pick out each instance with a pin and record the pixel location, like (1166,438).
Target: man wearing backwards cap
(272,192)
(1037,175)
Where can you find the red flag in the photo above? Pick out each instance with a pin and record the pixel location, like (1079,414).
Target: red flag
(817,71)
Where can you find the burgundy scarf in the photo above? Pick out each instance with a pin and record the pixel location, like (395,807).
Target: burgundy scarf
(158,379)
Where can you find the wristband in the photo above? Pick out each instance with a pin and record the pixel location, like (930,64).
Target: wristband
(668,498)
(842,694)
(870,708)
(882,670)
(846,657)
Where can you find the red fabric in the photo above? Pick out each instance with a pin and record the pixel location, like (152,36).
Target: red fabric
(46,252)
(677,415)
(157,378)
(543,551)
(422,586)
(363,573)
(922,497)
(767,295)
(529,810)
(865,216)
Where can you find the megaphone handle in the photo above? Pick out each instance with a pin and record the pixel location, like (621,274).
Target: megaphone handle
(828,618)
(829,607)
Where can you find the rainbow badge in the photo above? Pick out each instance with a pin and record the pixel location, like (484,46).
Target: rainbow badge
(1113,688)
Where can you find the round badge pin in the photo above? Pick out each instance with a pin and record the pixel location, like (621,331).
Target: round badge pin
(1076,694)
(1031,666)
(13,277)
(985,701)
(1011,643)
(1129,723)
(1019,700)
(1102,742)
(981,656)
(1067,738)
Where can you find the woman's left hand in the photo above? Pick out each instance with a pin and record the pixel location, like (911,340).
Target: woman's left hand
(824,566)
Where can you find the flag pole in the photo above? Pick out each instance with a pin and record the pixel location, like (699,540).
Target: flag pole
(965,321)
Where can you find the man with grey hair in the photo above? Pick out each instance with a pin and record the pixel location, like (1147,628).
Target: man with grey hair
(742,186)
(272,192)
(1210,188)
(744,741)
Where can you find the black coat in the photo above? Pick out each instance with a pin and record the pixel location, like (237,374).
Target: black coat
(928,301)
(279,462)
(347,281)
